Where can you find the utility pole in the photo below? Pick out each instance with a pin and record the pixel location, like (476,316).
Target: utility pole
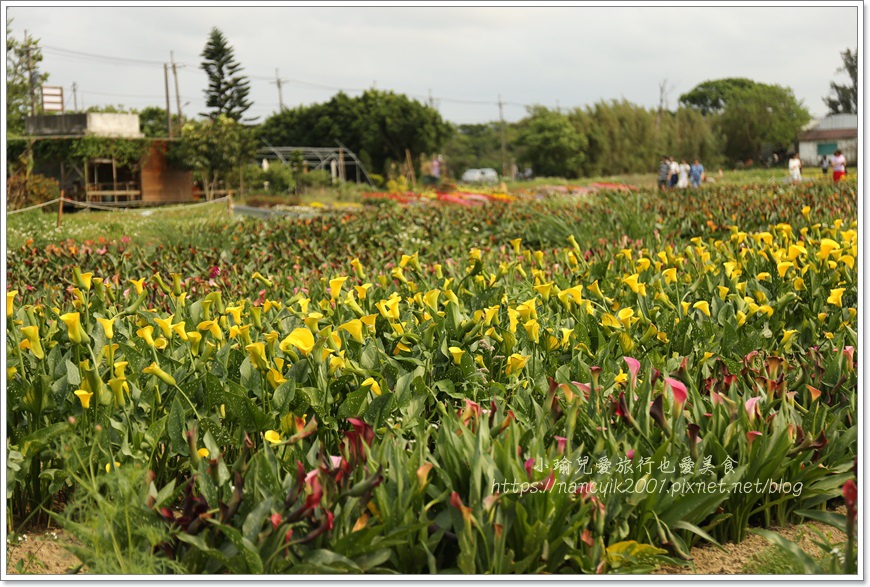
(431,100)
(75,88)
(166,87)
(30,76)
(504,170)
(177,95)
(278,81)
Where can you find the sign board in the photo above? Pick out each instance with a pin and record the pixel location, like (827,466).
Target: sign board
(52,99)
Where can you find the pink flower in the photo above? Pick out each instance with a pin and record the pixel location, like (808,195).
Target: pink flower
(716,398)
(752,407)
(629,454)
(276,520)
(678,389)
(561,442)
(633,367)
(752,435)
(214,272)
(529,465)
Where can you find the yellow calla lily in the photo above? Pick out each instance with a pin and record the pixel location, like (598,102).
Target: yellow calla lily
(301,338)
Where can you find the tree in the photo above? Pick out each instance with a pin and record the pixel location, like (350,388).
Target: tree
(377,126)
(214,148)
(551,144)
(760,118)
(18,82)
(845,99)
(228,90)
(711,97)
(152,121)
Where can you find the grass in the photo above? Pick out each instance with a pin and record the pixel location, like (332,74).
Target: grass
(771,561)
(174,223)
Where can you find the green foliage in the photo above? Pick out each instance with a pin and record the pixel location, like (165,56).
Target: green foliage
(759,117)
(380,125)
(228,89)
(22,191)
(127,152)
(551,144)
(19,54)
(214,148)
(713,96)
(753,118)
(845,98)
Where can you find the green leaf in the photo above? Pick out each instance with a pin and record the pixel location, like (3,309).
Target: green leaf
(801,558)
(353,404)
(72,374)
(176,428)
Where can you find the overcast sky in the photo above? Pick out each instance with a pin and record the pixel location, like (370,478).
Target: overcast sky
(569,57)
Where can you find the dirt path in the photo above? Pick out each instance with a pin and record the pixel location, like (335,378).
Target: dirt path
(710,560)
(42,552)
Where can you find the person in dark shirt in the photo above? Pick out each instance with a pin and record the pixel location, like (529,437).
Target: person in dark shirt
(664,172)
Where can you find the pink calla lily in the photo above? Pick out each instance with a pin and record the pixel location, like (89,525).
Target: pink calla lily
(678,389)
(752,407)
(633,368)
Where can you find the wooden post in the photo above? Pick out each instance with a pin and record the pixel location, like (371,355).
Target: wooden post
(229,203)
(114,181)
(60,209)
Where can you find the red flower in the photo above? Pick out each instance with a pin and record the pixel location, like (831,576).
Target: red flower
(850,494)
(214,272)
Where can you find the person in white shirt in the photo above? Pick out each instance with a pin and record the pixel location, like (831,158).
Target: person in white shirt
(683,182)
(838,165)
(794,168)
(674,172)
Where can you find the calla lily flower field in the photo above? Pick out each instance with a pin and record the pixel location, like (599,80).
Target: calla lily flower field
(564,386)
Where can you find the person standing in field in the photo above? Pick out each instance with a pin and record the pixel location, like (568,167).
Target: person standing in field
(674,173)
(683,182)
(696,173)
(825,164)
(664,170)
(794,168)
(838,165)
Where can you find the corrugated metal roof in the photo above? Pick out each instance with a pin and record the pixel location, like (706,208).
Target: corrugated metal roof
(838,122)
(829,134)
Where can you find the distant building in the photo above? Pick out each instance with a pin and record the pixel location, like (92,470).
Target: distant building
(837,131)
(154,179)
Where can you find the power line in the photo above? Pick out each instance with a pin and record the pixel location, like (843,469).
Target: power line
(69,53)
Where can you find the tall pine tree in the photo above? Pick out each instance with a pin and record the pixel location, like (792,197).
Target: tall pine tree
(845,99)
(228,90)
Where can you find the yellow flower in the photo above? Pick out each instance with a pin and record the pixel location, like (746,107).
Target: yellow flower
(703,306)
(357,268)
(621,377)
(430,298)
(109,466)
(145,334)
(194,338)
(787,336)
(337,362)
(766,309)
(303,305)
(203,452)
(236,312)
(723,291)
(662,336)
(826,246)
(848,261)
(457,354)
(213,327)
(31,333)
(533,329)
(119,369)
(373,385)
(741,318)
(301,338)
(165,325)
(275,378)
(335,286)
(795,251)
(489,314)
(515,363)
(107,324)
(596,291)
(389,308)
(362,290)
(610,321)
(74,327)
(10,298)
(179,330)
(512,319)
(631,281)
(763,276)
(783,268)
(312,321)
(836,297)
(670,275)
(272,437)
(84,397)
(354,328)
(118,386)
(515,243)
(259,277)
(544,290)
(625,316)
(685,306)
(642,264)
(369,321)
(138,284)
(154,369)
(257,352)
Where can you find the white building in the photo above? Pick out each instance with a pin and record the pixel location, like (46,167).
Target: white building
(837,131)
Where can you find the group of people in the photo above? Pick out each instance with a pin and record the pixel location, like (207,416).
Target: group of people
(837,163)
(680,175)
